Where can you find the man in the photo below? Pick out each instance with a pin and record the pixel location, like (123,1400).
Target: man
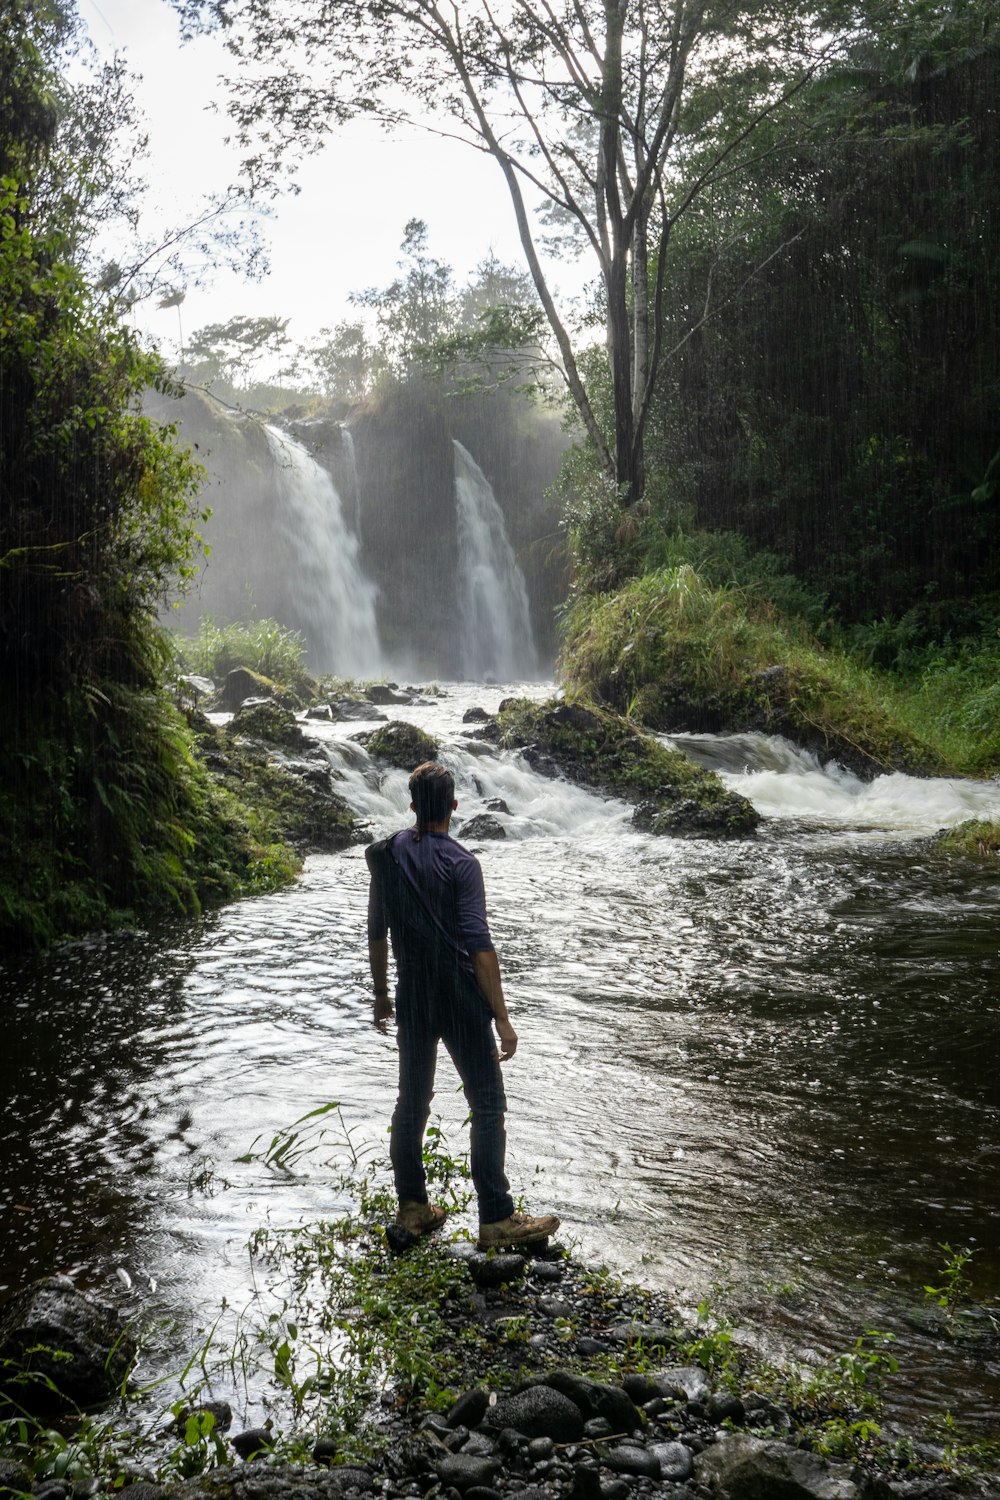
(427,893)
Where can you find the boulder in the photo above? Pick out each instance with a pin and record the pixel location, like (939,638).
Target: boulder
(676,1461)
(402,745)
(495,1270)
(475,715)
(381,692)
(632,1458)
(465,1471)
(539,1411)
(483,826)
(595,1400)
(269,722)
(241,683)
(691,1379)
(470,1408)
(80,1351)
(747,1468)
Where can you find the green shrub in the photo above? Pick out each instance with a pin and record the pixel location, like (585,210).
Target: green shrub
(263,646)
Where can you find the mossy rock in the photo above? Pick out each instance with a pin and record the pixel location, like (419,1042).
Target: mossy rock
(267,721)
(402,745)
(978,837)
(598,749)
(243,683)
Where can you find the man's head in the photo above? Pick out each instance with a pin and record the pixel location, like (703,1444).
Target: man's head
(432,793)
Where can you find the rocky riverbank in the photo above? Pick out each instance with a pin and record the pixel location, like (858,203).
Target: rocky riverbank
(548,1381)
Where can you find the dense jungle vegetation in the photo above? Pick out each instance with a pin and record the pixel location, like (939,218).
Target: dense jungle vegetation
(817,488)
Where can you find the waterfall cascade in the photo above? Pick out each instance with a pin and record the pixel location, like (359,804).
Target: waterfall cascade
(334,598)
(494,619)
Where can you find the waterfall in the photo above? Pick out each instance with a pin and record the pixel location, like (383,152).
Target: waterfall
(494,620)
(334,599)
(352,468)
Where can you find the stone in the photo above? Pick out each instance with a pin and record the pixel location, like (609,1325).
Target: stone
(469,1409)
(639,1388)
(482,1492)
(540,1448)
(675,1460)
(615,1489)
(497,805)
(241,683)
(596,1400)
(588,1347)
(690,1379)
(651,1335)
(547,1270)
(482,826)
(402,745)
(465,1471)
(475,715)
(268,722)
(723,1407)
(320,711)
(761,1411)
(220,1410)
(382,693)
(324,1451)
(554,1307)
(457,1438)
(539,1411)
(51,1318)
(586,1483)
(14,1478)
(747,1468)
(629,1458)
(495,1270)
(351,708)
(597,1427)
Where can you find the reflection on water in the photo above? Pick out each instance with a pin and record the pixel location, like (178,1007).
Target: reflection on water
(767,1064)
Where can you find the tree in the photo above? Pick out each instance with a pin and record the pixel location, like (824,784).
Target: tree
(415,309)
(588,106)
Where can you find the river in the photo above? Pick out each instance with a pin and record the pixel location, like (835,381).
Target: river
(765,1072)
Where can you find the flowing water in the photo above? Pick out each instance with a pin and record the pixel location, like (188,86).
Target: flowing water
(763,1071)
(494,618)
(333,597)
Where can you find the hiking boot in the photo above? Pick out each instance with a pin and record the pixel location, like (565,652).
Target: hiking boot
(519,1229)
(420,1218)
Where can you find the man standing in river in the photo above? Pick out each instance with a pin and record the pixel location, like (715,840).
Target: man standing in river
(427,893)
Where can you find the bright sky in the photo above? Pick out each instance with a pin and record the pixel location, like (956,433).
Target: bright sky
(341,233)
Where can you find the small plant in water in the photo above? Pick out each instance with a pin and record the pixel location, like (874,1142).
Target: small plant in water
(955,1285)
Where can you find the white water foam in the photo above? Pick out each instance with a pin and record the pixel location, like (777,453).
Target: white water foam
(784,782)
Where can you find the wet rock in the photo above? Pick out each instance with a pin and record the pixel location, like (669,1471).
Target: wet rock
(51,1319)
(195,688)
(475,715)
(540,1449)
(354,708)
(268,722)
(595,1400)
(14,1478)
(320,711)
(651,1335)
(382,693)
(402,745)
(220,1411)
(744,1468)
(586,1483)
(615,1489)
(631,1458)
(761,1411)
(482,1492)
(466,1471)
(495,1270)
(324,1451)
(691,1380)
(241,684)
(588,1347)
(554,1307)
(547,1270)
(597,1427)
(539,1411)
(399,1239)
(497,805)
(252,1442)
(469,1409)
(722,1407)
(408,1458)
(483,826)
(639,1388)
(676,1461)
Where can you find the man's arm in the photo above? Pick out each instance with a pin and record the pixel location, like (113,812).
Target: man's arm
(486,967)
(378,958)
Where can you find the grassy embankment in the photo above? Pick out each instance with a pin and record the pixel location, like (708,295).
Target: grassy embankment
(675,652)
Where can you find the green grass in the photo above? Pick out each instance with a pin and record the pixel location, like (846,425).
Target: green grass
(263,646)
(676,652)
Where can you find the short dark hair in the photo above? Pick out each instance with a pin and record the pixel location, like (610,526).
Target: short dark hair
(432,791)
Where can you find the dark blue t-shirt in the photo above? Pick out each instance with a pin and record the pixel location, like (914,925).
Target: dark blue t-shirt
(450,882)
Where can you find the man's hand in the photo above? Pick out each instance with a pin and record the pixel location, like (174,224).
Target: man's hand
(508,1040)
(382,1014)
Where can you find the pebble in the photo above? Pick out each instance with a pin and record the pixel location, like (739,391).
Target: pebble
(675,1460)
(627,1458)
(547,1270)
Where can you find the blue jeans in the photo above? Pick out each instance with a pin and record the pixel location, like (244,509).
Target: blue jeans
(432,1006)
